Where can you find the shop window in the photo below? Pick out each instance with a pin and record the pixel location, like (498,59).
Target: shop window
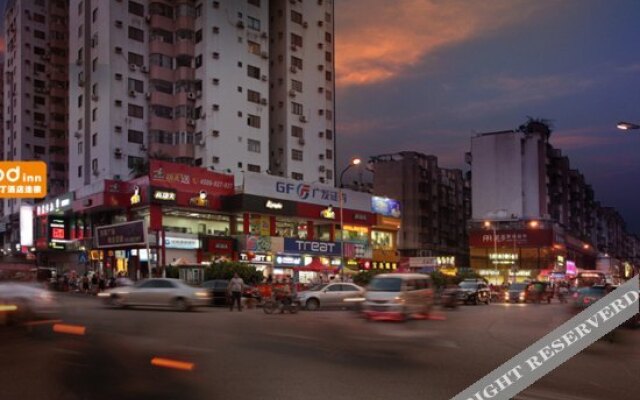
(382,240)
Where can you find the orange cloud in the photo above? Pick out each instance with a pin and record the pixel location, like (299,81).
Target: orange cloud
(378,39)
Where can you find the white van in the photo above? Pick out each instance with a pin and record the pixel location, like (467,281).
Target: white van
(398,297)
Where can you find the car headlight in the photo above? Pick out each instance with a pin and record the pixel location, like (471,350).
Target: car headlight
(398,300)
(522,296)
(506,296)
(46,296)
(202,294)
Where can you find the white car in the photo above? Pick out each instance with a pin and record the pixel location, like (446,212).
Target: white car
(24,302)
(158,292)
(339,294)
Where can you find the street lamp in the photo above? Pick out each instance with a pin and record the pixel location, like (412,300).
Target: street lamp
(626,126)
(355,161)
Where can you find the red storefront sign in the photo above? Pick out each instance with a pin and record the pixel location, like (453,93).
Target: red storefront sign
(219,246)
(188,179)
(519,237)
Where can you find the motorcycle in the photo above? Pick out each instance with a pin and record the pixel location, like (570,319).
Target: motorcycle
(282,305)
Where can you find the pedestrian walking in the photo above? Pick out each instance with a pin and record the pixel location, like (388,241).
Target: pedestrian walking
(236,284)
(85,284)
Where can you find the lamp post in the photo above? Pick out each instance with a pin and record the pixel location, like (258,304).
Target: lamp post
(353,162)
(627,126)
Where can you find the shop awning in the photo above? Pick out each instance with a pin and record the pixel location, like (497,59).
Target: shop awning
(317,266)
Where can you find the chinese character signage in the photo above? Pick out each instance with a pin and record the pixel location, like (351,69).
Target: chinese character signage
(184,178)
(127,234)
(509,238)
(23,179)
(57,205)
(385,206)
(163,196)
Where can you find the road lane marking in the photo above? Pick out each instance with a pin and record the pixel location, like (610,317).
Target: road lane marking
(70,329)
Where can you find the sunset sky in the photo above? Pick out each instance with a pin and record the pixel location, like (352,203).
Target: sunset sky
(426,75)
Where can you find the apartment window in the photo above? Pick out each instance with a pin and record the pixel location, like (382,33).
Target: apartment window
(329,155)
(80,101)
(162,111)
(161,35)
(161,86)
(199,61)
(329,95)
(296,155)
(133,162)
(297,176)
(254,48)
(253,145)
(39,133)
(329,174)
(199,10)
(134,136)
(135,111)
(329,115)
(253,121)
(185,10)
(136,85)
(328,75)
(296,17)
(136,8)
(79,123)
(161,9)
(136,59)
(296,108)
(38,150)
(253,168)
(327,17)
(94,15)
(80,7)
(80,147)
(253,96)
(253,72)
(327,37)
(38,101)
(296,85)
(136,34)
(296,40)
(94,140)
(329,134)
(160,60)
(296,62)
(296,131)
(328,57)
(39,34)
(253,23)
(199,36)
(80,171)
(254,3)
(39,18)
(94,114)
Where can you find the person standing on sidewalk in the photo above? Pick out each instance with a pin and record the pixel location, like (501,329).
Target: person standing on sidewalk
(236,284)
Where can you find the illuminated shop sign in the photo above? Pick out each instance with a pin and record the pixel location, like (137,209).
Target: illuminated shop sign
(503,256)
(57,230)
(522,273)
(293,245)
(289,260)
(328,213)
(200,200)
(57,205)
(163,195)
(385,206)
(360,229)
(274,205)
(126,234)
(255,258)
(383,265)
(135,198)
(447,260)
(488,272)
(360,217)
(181,243)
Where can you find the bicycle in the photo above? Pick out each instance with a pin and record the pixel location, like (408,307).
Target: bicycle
(272,305)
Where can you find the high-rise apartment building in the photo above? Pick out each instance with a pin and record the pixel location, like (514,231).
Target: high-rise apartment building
(227,85)
(35,91)
(435,204)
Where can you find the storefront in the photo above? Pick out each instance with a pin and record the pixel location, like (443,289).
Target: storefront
(384,234)
(55,234)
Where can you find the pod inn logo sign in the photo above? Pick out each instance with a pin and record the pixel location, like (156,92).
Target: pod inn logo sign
(23,179)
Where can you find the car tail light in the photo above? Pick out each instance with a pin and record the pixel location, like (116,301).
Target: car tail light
(587,300)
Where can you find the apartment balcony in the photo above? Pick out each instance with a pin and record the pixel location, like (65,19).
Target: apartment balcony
(163,124)
(162,99)
(58,92)
(160,21)
(185,124)
(165,74)
(60,158)
(56,125)
(59,60)
(58,44)
(58,141)
(173,150)
(158,46)
(184,73)
(185,22)
(185,47)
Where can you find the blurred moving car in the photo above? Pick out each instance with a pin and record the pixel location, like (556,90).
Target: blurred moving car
(157,292)
(516,293)
(29,301)
(584,297)
(534,292)
(397,297)
(474,291)
(331,295)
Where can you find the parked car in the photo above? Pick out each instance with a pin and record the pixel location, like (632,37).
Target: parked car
(217,288)
(158,292)
(331,295)
(474,291)
(538,292)
(24,302)
(398,296)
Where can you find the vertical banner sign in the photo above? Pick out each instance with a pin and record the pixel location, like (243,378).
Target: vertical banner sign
(558,346)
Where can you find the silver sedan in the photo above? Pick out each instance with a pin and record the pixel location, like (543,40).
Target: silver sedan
(331,295)
(24,302)
(159,292)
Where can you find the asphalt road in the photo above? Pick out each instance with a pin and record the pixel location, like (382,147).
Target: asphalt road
(311,355)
